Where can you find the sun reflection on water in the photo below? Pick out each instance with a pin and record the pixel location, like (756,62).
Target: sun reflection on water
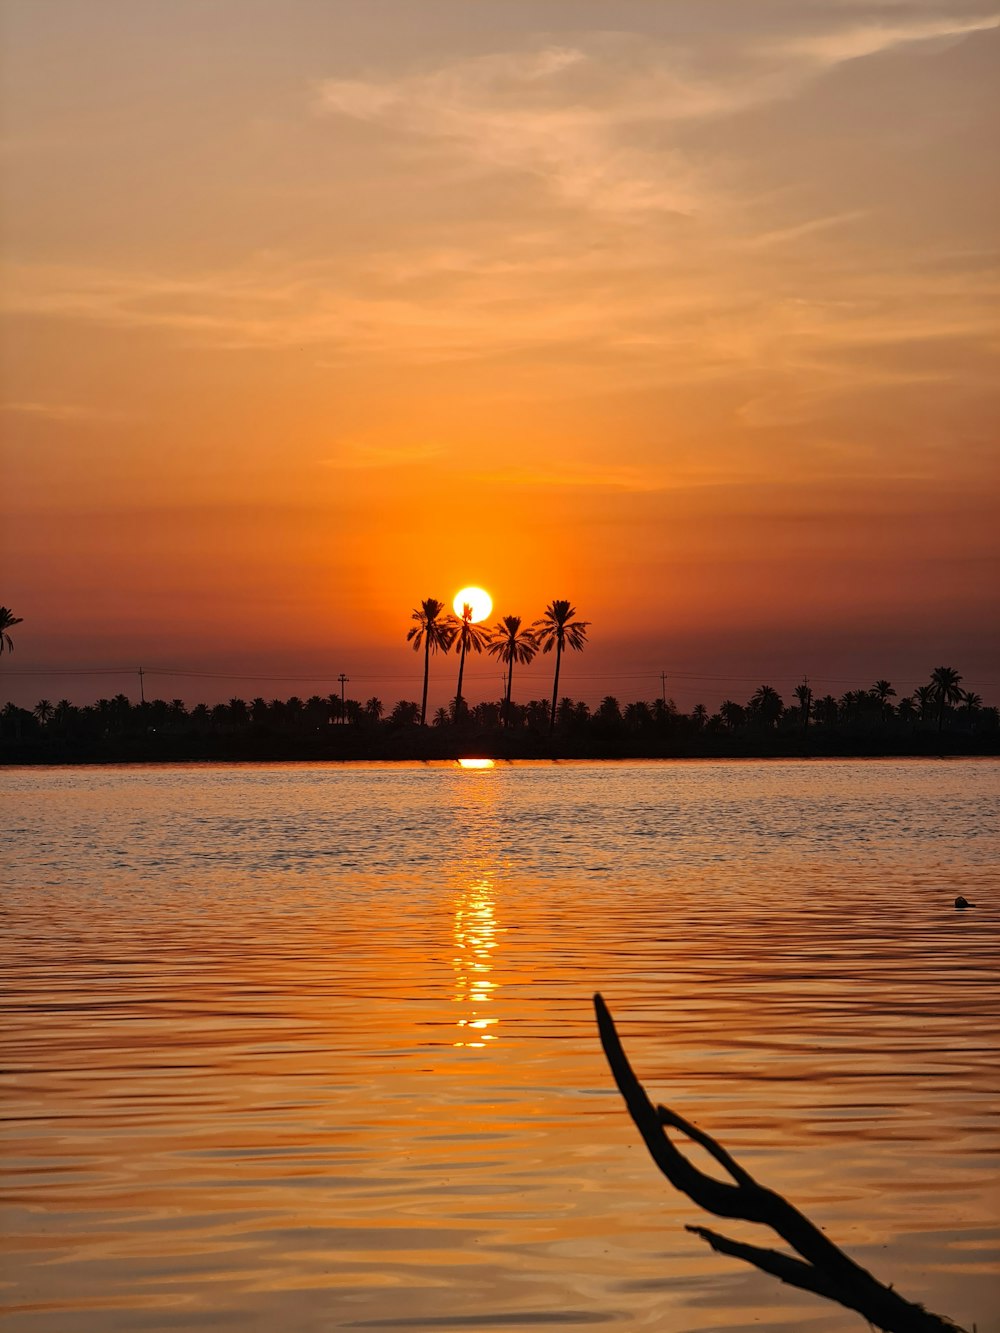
(476,938)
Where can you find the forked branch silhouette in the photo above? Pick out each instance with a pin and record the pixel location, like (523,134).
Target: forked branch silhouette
(823,1269)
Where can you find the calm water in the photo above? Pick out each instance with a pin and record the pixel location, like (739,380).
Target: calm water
(305,1048)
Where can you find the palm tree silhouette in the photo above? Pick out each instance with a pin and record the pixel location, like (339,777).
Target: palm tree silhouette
(765,702)
(511,644)
(924,696)
(973,702)
(557,629)
(467,635)
(883,692)
(945,690)
(732,713)
(44,711)
(7,621)
(804,695)
(434,633)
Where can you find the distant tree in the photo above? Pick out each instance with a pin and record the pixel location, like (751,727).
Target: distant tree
(557,629)
(924,698)
(699,717)
(851,704)
(317,712)
(973,702)
(239,714)
(121,711)
(826,711)
(465,635)
(405,713)
(43,711)
(765,705)
(537,714)
(7,622)
(13,719)
(883,692)
(637,715)
(487,714)
(805,697)
(906,709)
(374,709)
(945,686)
(609,711)
(732,714)
(258,711)
(441,718)
(566,714)
(664,711)
(353,711)
(510,643)
(435,632)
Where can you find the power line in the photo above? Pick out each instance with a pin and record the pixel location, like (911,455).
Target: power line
(683,677)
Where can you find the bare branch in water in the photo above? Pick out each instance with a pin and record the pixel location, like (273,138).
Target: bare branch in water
(827,1270)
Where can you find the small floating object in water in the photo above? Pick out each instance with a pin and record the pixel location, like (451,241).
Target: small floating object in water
(961,902)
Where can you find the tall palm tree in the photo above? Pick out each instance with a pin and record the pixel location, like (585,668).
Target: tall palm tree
(557,629)
(7,621)
(465,634)
(511,644)
(945,687)
(433,632)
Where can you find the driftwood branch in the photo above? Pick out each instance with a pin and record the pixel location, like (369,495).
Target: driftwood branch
(827,1270)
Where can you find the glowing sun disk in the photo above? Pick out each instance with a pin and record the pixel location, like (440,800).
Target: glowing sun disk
(480,601)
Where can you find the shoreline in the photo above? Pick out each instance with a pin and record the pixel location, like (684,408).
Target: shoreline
(433,747)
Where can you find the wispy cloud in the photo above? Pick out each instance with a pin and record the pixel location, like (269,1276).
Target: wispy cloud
(354,455)
(68,412)
(587,122)
(857,40)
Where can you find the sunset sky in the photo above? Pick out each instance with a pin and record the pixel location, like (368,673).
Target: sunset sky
(683,310)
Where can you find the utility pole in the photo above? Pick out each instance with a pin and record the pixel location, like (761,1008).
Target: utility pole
(663,688)
(343,706)
(142,692)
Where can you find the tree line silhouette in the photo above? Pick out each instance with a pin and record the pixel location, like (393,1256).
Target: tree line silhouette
(873,720)
(939,714)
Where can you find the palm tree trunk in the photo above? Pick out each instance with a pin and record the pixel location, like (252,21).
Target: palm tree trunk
(427,667)
(461,672)
(506,702)
(555,687)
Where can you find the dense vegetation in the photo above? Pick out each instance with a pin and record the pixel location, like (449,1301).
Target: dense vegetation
(939,718)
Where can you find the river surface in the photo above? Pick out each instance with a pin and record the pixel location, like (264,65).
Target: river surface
(309,1048)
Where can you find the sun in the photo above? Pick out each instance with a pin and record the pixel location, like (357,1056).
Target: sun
(478,598)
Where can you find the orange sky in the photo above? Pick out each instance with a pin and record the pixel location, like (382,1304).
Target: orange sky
(684,311)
